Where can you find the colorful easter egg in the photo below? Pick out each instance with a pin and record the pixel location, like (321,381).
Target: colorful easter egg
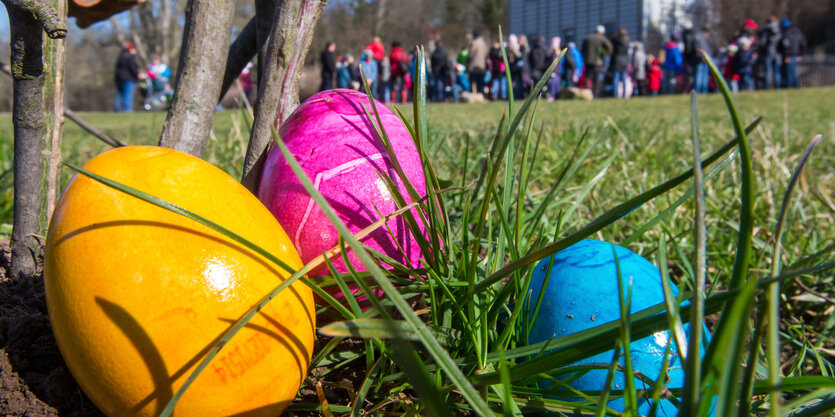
(582,292)
(337,145)
(138,295)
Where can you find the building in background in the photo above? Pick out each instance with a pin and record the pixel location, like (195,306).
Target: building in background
(650,21)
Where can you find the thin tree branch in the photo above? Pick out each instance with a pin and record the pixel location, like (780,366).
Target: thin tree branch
(803,286)
(199,75)
(243,49)
(104,137)
(54,26)
(69,114)
(278,91)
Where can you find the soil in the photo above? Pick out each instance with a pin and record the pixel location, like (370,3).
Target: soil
(34,380)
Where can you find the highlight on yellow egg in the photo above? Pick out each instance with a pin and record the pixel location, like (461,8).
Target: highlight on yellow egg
(138,295)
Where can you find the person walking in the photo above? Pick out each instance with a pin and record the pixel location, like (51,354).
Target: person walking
(620,61)
(477,61)
(538,59)
(639,67)
(573,68)
(497,73)
(385,80)
(525,52)
(399,69)
(440,70)
(654,76)
(744,65)
(672,65)
(514,59)
(555,81)
(127,75)
(378,51)
(792,46)
(594,48)
(328,62)
(769,45)
(370,69)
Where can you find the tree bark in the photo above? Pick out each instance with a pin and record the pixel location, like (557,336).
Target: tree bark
(27,20)
(199,75)
(265,15)
(54,58)
(278,89)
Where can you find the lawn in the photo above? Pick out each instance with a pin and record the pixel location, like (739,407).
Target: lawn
(580,159)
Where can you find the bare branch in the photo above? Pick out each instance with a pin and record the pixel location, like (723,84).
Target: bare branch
(278,92)
(199,75)
(68,113)
(54,26)
(242,51)
(104,137)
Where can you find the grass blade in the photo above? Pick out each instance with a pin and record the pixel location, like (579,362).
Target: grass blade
(605,219)
(773,345)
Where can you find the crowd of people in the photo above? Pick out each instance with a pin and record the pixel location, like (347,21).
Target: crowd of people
(603,64)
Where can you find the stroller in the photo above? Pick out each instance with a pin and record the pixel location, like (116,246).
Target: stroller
(156,93)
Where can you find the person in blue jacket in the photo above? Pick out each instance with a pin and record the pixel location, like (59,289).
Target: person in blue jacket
(673,66)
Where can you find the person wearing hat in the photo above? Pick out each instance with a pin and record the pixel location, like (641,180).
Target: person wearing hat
(791,48)
(748,30)
(127,75)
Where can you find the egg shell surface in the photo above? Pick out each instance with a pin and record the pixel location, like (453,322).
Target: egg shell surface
(334,141)
(137,295)
(582,292)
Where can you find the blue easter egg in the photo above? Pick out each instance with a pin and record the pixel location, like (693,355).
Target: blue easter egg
(582,293)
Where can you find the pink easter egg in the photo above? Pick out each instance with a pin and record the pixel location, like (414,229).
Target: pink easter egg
(336,144)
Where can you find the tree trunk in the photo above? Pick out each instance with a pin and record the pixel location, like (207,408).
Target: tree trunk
(54,58)
(278,89)
(199,75)
(28,18)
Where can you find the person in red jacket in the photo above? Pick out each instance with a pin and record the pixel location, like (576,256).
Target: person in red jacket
(653,76)
(378,51)
(399,68)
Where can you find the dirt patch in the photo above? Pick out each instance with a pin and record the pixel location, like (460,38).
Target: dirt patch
(34,380)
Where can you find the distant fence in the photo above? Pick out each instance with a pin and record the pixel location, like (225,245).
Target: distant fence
(816,70)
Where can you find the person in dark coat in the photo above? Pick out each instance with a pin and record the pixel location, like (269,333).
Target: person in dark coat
(440,70)
(744,65)
(127,75)
(792,46)
(594,48)
(768,41)
(538,59)
(328,66)
(620,61)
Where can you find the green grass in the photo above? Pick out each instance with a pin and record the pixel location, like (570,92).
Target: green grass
(534,195)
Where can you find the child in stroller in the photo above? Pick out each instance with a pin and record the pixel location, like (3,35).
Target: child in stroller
(156,87)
